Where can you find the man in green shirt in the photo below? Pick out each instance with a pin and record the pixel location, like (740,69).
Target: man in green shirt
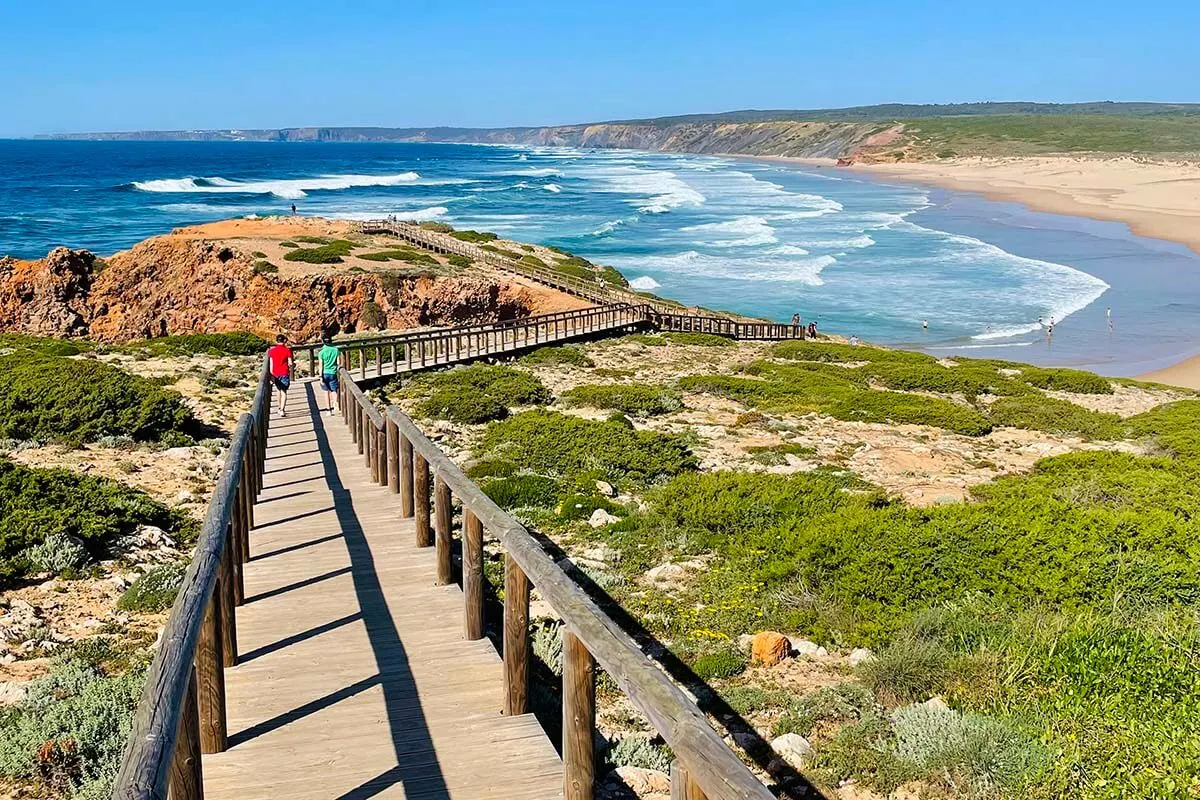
(330,355)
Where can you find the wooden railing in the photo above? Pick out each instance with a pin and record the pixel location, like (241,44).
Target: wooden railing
(401,457)
(735,329)
(181,713)
(596,290)
(408,352)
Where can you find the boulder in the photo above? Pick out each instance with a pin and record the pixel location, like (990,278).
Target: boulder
(11,693)
(605,488)
(666,575)
(858,655)
(600,518)
(769,648)
(806,648)
(792,748)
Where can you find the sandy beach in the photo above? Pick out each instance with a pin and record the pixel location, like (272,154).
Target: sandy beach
(1156,198)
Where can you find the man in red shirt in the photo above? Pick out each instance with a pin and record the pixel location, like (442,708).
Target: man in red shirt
(281,370)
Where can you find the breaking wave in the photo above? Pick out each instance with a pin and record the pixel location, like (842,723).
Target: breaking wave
(291,189)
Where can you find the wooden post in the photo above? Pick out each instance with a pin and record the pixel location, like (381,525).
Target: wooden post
(421,499)
(682,785)
(381,454)
(187,780)
(211,674)
(579,719)
(472,567)
(235,547)
(442,520)
(406,478)
(516,638)
(228,618)
(358,426)
(393,456)
(369,453)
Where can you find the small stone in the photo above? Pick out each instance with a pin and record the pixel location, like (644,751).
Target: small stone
(769,648)
(605,488)
(184,497)
(645,782)
(11,693)
(858,655)
(936,702)
(600,518)
(666,574)
(744,642)
(806,648)
(793,748)
(178,452)
(747,740)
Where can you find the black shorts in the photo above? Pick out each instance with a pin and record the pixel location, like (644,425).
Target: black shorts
(282,382)
(330,382)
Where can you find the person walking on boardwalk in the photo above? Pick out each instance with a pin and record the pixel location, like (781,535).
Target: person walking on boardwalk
(330,355)
(281,360)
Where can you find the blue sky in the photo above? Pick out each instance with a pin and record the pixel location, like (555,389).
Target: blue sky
(127,65)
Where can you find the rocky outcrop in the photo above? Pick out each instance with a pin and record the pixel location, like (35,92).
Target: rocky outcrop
(173,285)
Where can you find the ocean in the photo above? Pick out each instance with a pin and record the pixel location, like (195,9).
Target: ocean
(860,256)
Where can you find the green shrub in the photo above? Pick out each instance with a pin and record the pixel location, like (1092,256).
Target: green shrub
(43,344)
(548,645)
(80,714)
(907,671)
(828,352)
(910,409)
(436,227)
(288,245)
(561,445)
(234,343)
(329,253)
(1041,413)
(579,505)
(613,372)
(532,261)
(314,239)
(699,339)
(555,356)
(55,505)
(974,754)
(474,236)
(477,393)
(155,589)
(523,491)
(50,397)
(492,468)
(1066,380)
(639,751)
(642,400)
(58,553)
(725,662)
(500,251)
(264,267)
(648,339)
(258,254)
(455,260)
(613,276)
(1173,426)
(407,254)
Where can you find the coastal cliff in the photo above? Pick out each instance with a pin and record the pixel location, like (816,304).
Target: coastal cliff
(217,278)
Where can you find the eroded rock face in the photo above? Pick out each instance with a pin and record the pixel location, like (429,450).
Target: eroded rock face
(168,285)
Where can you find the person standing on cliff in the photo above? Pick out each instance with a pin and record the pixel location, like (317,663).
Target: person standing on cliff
(281,360)
(330,355)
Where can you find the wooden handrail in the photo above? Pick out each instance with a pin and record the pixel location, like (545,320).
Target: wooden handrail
(712,769)
(182,707)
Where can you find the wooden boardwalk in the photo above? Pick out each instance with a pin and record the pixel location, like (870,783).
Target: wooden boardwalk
(354,678)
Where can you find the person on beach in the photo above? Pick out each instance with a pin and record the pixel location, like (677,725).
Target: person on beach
(293,209)
(280,356)
(330,355)
(853,341)
(1108,316)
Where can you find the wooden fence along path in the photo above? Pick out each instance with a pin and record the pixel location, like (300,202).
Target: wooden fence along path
(327,642)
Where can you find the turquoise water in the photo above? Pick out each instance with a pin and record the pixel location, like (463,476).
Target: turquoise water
(859,256)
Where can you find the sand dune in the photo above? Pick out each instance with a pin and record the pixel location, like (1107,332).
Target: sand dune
(1156,198)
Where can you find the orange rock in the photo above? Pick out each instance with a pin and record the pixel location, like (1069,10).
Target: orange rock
(769,647)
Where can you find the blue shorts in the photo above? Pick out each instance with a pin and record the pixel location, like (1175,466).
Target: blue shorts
(330,382)
(282,382)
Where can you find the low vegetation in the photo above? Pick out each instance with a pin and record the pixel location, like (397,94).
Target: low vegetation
(564,355)
(73,400)
(474,236)
(638,399)
(405,254)
(235,343)
(328,252)
(477,393)
(56,520)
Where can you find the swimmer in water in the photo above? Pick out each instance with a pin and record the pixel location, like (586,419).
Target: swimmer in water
(925,324)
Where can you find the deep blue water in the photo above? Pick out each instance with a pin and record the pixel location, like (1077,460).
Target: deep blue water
(861,256)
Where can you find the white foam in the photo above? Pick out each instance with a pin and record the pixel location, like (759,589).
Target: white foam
(789,250)
(983,346)
(419,215)
(538,172)
(292,189)
(692,262)
(608,227)
(660,191)
(644,284)
(552,187)
(749,231)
